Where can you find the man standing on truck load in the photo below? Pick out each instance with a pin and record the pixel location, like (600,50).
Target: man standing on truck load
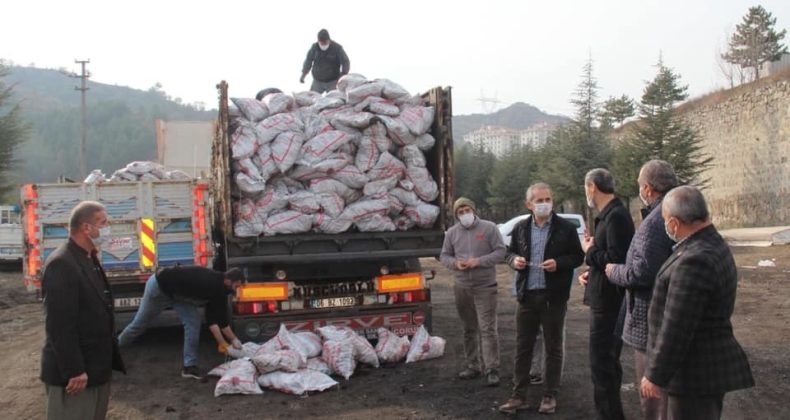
(614,229)
(544,249)
(80,351)
(329,62)
(472,248)
(185,289)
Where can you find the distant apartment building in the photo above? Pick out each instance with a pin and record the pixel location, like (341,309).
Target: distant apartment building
(773,67)
(501,140)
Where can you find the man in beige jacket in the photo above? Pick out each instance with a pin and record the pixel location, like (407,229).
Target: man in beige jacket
(472,248)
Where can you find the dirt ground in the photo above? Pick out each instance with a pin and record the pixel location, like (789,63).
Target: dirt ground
(154,389)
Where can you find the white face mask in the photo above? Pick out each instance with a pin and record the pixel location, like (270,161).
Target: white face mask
(643,199)
(466,219)
(543,209)
(323,47)
(104,236)
(671,236)
(590,202)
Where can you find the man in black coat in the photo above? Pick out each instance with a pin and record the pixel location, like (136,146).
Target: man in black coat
(691,351)
(613,232)
(329,62)
(80,351)
(544,250)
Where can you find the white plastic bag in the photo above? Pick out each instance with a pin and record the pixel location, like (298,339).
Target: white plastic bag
(391,348)
(249,185)
(365,208)
(350,81)
(285,360)
(123,175)
(297,383)
(274,197)
(278,102)
(328,102)
(331,203)
(424,347)
(271,127)
(220,370)
(359,93)
(387,166)
(397,131)
(392,90)
(412,156)
(322,145)
(423,214)
(247,223)
(381,186)
(264,160)
(287,222)
(350,175)
(424,185)
(95,177)
(396,206)
(177,175)
(244,141)
(251,108)
(367,154)
(331,225)
(304,202)
(417,118)
(375,223)
(314,125)
(239,378)
(364,351)
(318,364)
(339,355)
(404,222)
(353,119)
(325,185)
(248,349)
(425,142)
(332,163)
(249,168)
(286,148)
(309,343)
(145,167)
(307,98)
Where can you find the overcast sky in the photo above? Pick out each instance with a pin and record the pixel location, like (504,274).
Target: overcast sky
(528,51)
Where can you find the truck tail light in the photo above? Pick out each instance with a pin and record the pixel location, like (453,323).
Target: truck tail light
(201,249)
(33,258)
(262,291)
(400,282)
(255,308)
(413,296)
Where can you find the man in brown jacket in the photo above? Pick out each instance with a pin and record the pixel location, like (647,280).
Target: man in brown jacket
(472,248)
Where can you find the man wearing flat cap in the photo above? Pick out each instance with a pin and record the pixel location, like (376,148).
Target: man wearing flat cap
(329,62)
(472,248)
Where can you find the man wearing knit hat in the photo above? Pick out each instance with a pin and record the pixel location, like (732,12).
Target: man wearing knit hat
(472,248)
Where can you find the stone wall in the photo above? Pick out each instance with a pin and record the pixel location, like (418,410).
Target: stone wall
(747,131)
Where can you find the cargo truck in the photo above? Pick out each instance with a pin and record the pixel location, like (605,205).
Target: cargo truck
(355,279)
(153,224)
(11,251)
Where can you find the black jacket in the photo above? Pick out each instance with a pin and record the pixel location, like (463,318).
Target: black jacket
(327,65)
(199,284)
(79,320)
(691,349)
(562,245)
(614,229)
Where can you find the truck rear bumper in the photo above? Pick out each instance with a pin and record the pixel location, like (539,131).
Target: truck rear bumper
(402,319)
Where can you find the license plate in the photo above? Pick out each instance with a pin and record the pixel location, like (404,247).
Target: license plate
(128,302)
(334,302)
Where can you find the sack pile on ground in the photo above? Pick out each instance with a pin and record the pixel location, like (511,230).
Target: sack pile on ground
(350,159)
(137,171)
(301,362)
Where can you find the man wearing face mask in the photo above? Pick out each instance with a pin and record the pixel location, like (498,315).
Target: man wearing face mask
(471,250)
(544,250)
(614,229)
(185,289)
(329,62)
(80,351)
(692,354)
(649,249)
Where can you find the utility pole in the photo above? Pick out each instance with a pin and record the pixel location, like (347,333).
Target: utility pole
(83,88)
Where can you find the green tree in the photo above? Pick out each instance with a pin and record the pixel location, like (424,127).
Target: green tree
(509,180)
(661,134)
(616,111)
(755,41)
(576,147)
(473,167)
(13,132)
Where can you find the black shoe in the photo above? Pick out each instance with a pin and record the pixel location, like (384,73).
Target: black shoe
(193,372)
(535,379)
(492,378)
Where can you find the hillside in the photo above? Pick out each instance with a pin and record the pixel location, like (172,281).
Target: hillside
(517,116)
(120,123)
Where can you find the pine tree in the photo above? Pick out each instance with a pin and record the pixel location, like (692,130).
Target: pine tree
(616,111)
(13,131)
(661,134)
(755,41)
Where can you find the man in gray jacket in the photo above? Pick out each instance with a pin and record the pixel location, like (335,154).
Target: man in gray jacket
(472,248)
(648,250)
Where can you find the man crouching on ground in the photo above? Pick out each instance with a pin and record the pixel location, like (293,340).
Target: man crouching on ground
(472,248)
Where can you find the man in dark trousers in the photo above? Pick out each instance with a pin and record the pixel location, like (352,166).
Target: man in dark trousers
(613,232)
(329,62)
(691,351)
(544,250)
(649,249)
(80,351)
(185,289)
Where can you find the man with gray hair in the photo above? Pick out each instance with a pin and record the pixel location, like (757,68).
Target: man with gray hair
(649,249)
(692,353)
(613,232)
(80,351)
(544,250)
